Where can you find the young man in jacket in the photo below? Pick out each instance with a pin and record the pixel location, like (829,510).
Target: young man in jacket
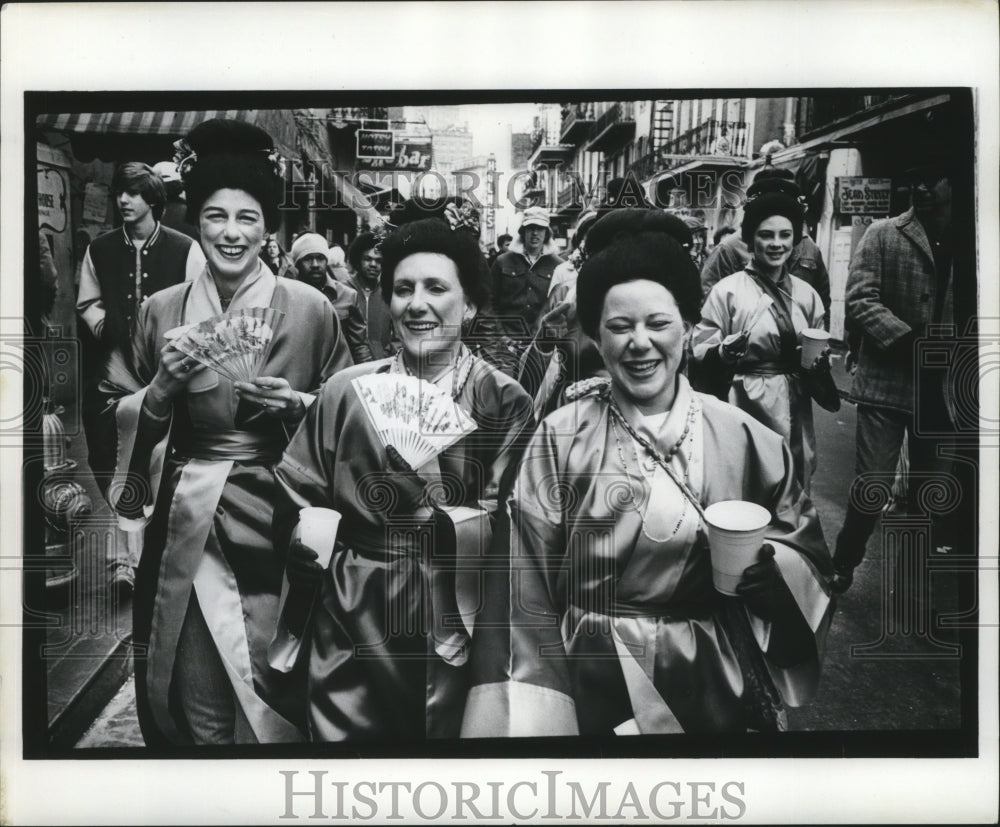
(120,270)
(520,284)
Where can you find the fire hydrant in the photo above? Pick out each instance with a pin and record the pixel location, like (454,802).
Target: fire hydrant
(64,502)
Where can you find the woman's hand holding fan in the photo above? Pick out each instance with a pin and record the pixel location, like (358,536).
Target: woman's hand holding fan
(234,345)
(274,395)
(417,418)
(173,373)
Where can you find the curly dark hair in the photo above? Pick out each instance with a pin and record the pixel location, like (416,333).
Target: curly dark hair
(434,235)
(233,155)
(361,245)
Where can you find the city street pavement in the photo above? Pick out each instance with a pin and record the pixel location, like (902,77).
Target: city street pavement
(906,682)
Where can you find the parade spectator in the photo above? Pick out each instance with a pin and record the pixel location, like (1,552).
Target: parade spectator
(521,279)
(751,329)
(502,245)
(176,207)
(200,451)
(309,253)
(731,254)
(276,259)
(365,257)
(720,234)
(604,619)
(337,260)
(121,270)
(900,282)
(699,235)
(384,662)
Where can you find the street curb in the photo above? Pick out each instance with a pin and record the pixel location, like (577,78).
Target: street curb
(70,724)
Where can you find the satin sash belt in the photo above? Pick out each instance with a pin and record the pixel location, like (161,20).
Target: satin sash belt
(239,446)
(767,369)
(664,611)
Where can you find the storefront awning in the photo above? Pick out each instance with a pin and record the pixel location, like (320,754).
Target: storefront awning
(174,124)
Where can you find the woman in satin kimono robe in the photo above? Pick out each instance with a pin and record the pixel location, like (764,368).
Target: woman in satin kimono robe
(604,618)
(195,465)
(389,634)
(751,328)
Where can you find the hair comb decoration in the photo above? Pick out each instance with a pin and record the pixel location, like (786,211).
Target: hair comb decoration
(184,157)
(463,217)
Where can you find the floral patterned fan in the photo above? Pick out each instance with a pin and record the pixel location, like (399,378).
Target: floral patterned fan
(235,344)
(414,416)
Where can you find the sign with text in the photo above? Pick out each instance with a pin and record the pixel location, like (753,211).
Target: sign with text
(375,144)
(863,196)
(53,199)
(410,156)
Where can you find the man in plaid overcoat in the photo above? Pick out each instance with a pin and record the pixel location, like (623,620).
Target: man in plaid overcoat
(900,282)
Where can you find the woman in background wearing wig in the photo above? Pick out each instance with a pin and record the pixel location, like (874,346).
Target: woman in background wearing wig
(199,452)
(751,327)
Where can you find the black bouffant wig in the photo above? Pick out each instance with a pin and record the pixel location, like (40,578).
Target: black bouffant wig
(629,221)
(768,204)
(637,244)
(235,155)
(434,235)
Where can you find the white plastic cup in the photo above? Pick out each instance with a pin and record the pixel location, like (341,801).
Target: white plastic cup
(318,531)
(814,341)
(735,534)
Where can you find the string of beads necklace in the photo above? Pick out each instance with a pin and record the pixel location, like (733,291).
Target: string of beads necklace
(663,460)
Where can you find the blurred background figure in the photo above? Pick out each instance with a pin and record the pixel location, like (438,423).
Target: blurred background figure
(309,252)
(276,259)
(521,279)
(365,258)
(337,262)
(174,211)
(699,240)
(502,245)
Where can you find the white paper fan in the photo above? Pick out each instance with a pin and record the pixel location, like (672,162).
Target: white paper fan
(234,345)
(417,418)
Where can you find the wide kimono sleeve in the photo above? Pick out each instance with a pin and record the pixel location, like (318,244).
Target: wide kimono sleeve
(724,260)
(142,438)
(511,421)
(716,322)
(863,303)
(306,471)
(521,684)
(800,552)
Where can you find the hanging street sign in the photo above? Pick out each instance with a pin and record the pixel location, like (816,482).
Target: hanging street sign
(374,144)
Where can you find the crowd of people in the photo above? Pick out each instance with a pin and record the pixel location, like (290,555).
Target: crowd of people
(617,391)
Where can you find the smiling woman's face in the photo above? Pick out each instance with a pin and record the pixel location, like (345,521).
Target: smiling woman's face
(641,337)
(232,233)
(428,305)
(772,243)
